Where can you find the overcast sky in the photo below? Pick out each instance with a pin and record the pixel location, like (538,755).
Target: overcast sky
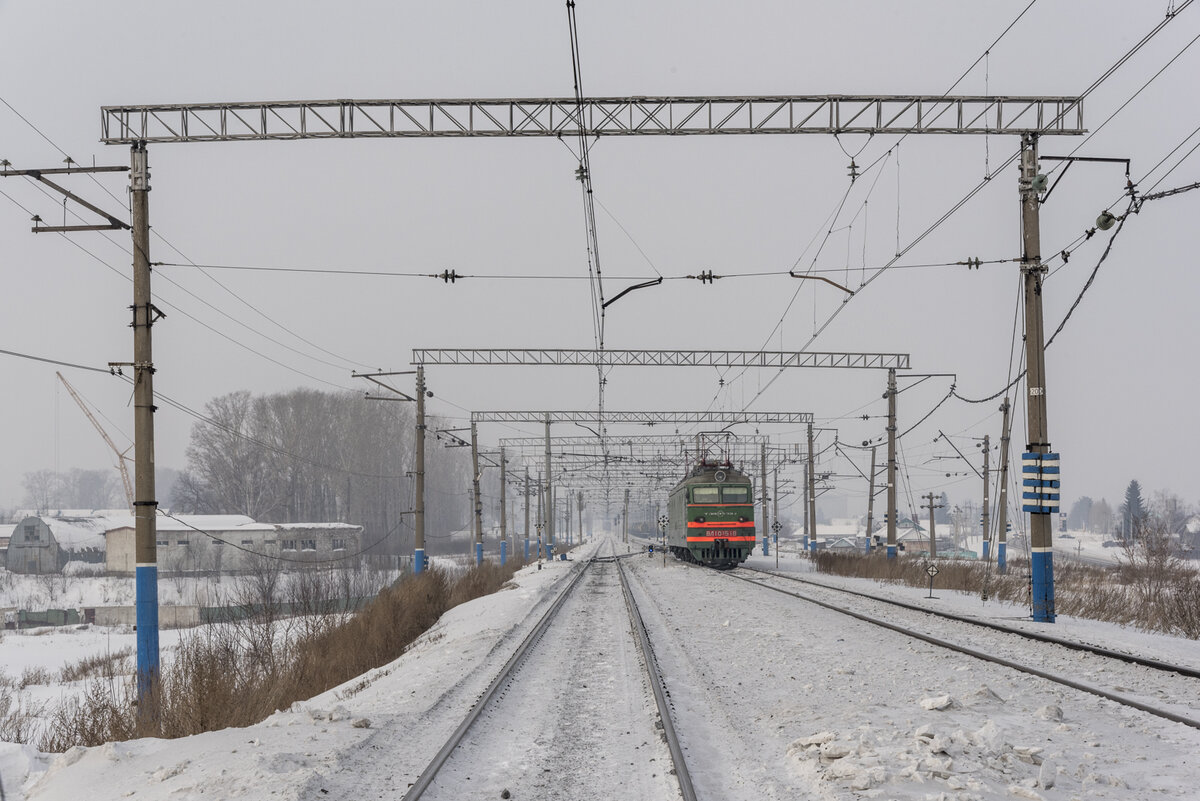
(1121,377)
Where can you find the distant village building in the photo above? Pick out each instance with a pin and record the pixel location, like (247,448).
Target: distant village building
(42,544)
(844,545)
(45,544)
(6,530)
(224,543)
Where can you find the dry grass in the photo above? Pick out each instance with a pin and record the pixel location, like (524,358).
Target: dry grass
(34,675)
(239,673)
(1148,594)
(18,721)
(107,666)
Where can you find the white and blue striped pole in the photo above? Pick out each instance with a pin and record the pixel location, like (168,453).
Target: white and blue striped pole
(890,515)
(1041,545)
(419,478)
(145,506)
(1040,498)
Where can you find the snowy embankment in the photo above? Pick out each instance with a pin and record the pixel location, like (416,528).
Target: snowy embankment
(290,754)
(779,699)
(774,699)
(1166,648)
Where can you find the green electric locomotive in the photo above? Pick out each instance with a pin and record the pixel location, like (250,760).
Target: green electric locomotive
(711,516)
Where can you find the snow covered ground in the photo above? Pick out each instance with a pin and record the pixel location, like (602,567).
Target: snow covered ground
(774,698)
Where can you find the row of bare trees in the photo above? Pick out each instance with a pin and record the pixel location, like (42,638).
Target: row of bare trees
(311,456)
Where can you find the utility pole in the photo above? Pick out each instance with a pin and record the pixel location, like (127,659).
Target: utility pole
(527,496)
(541,520)
(932,535)
(766,512)
(549,498)
(775,514)
(807,517)
(625,518)
(871,499)
(986,517)
(478,510)
(503,509)
(581,515)
(1002,535)
(145,506)
(812,491)
(419,478)
(1044,473)
(891,465)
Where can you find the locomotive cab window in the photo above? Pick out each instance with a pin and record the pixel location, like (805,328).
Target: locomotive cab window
(706,495)
(735,494)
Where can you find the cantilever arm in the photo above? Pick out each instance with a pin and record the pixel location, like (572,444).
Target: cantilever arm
(795,274)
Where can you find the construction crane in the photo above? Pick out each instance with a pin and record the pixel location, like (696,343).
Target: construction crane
(121,455)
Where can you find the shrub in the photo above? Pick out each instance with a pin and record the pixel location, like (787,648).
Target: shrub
(238,673)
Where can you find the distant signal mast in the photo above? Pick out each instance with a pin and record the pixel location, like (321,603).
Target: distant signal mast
(121,455)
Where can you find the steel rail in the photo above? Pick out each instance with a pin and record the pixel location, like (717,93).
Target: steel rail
(996,660)
(656,684)
(418,787)
(1133,659)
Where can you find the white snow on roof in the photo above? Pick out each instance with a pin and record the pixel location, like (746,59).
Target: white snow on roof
(76,533)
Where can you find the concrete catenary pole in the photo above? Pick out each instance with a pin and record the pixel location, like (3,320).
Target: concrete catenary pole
(891,465)
(549,518)
(503,509)
(145,505)
(477,513)
(541,521)
(766,511)
(1041,509)
(527,497)
(987,517)
(581,516)
(775,514)
(625,517)
(1002,521)
(932,532)
(812,491)
(419,477)
(807,516)
(871,499)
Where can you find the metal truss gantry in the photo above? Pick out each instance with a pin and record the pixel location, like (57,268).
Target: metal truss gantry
(647,418)
(640,441)
(609,116)
(658,358)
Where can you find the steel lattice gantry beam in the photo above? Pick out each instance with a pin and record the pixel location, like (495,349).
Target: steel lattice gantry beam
(647,418)
(609,116)
(659,358)
(630,440)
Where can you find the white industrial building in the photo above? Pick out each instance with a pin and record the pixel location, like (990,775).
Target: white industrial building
(185,543)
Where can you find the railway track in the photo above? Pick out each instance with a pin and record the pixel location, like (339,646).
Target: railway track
(971,637)
(508,734)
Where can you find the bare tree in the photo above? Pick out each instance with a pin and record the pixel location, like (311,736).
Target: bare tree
(41,489)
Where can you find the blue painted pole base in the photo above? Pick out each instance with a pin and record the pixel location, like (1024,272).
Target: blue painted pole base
(868,549)
(503,552)
(812,546)
(1043,586)
(891,552)
(526,549)
(549,552)
(1001,557)
(766,547)
(418,561)
(987,547)
(479,553)
(146,593)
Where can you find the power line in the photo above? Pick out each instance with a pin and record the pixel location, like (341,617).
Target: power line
(56,361)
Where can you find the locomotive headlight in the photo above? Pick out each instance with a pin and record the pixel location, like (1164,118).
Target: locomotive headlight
(700,519)
(741,519)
